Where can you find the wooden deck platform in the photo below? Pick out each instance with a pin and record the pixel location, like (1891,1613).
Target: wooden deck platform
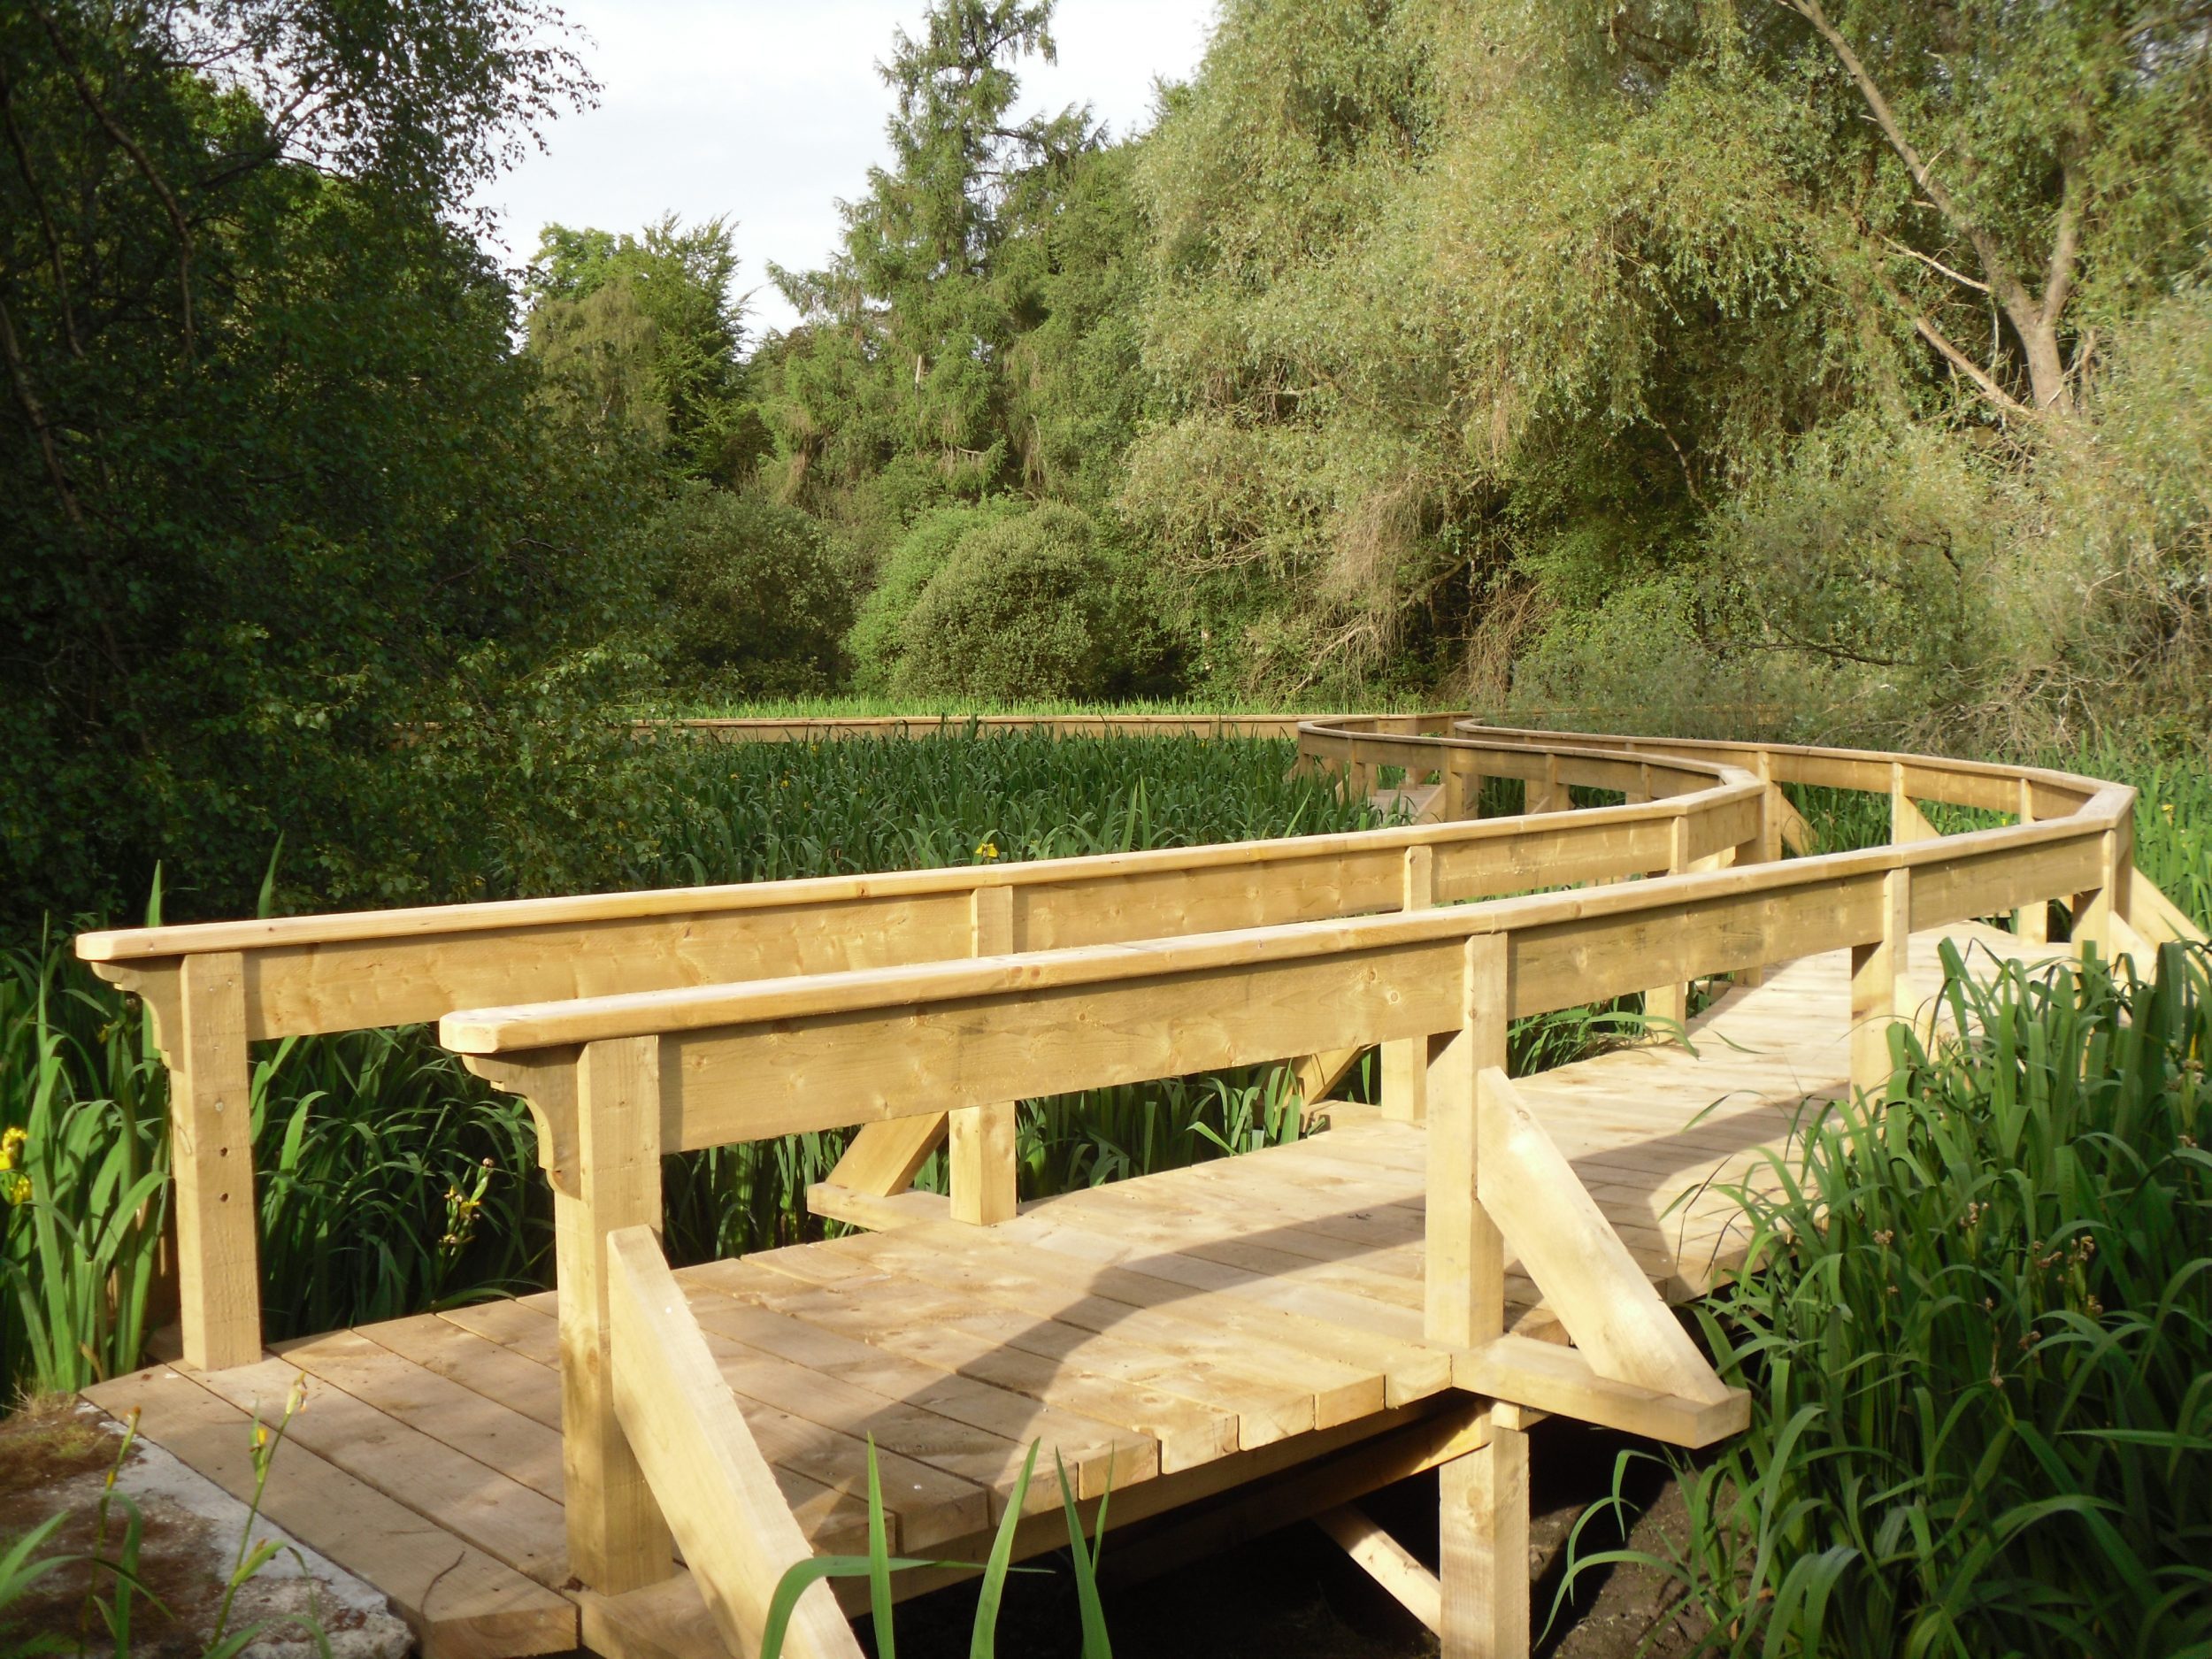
(1173,1335)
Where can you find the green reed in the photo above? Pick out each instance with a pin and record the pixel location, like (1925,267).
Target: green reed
(83,1172)
(390,1180)
(1981,1345)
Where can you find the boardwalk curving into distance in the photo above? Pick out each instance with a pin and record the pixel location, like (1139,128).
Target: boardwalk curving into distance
(1229,1346)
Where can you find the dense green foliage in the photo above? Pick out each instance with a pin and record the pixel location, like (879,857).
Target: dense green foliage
(879,633)
(1841,373)
(639,339)
(1021,608)
(747,596)
(272,486)
(1550,326)
(1979,1353)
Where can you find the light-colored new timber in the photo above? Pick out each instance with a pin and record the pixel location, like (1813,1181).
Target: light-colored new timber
(1096,1323)
(1483,1543)
(460,1602)
(1476,1244)
(211,1140)
(1387,1561)
(618,1538)
(737,1535)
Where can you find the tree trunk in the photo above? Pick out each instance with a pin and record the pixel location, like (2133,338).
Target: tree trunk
(2046,367)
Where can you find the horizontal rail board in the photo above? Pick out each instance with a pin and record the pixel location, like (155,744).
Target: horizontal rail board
(1632,907)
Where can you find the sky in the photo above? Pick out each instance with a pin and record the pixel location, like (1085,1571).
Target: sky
(769,110)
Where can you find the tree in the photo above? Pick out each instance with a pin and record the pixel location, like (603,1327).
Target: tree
(272,495)
(903,349)
(2021,149)
(746,595)
(1467,318)
(641,337)
(1023,607)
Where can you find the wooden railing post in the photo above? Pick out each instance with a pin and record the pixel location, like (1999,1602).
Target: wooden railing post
(2097,911)
(1670,1004)
(1463,787)
(211,1130)
(1906,823)
(1405,1062)
(1881,987)
(1774,808)
(1464,1268)
(2032,922)
(1549,796)
(1482,1515)
(981,1153)
(1764,848)
(618,1538)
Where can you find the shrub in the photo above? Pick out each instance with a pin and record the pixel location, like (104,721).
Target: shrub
(878,638)
(751,603)
(1023,608)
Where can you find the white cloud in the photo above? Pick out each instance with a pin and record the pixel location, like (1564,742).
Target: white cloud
(768,112)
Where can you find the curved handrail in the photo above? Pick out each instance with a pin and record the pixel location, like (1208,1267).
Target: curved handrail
(1707,819)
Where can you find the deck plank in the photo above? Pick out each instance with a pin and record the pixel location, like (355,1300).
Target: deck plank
(458,1600)
(1265,1410)
(1096,1452)
(927,1504)
(489,1432)
(1111,1301)
(502,1517)
(938,1331)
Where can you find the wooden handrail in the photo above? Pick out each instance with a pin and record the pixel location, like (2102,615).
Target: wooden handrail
(215,988)
(1974,874)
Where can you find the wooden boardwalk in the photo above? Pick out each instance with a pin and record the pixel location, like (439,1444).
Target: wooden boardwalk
(1174,1335)
(631,1465)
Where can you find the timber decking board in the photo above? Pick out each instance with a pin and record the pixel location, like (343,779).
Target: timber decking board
(460,1602)
(1141,1329)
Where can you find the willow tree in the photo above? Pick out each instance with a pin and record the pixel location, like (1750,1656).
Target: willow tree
(1464,304)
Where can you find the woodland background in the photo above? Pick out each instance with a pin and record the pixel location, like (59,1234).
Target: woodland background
(1838,373)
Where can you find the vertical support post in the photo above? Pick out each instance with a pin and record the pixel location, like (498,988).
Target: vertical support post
(1881,986)
(1463,787)
(2032,922)
(1672,1002)
(1405,1062)
(2094,911)
(211,1131)
(1764,848)
(979,1156)
(618,1538)
(1462,1273)
(1771,814)
(1907,824)
(1483,1561)
(1549,794)
(1361,774)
